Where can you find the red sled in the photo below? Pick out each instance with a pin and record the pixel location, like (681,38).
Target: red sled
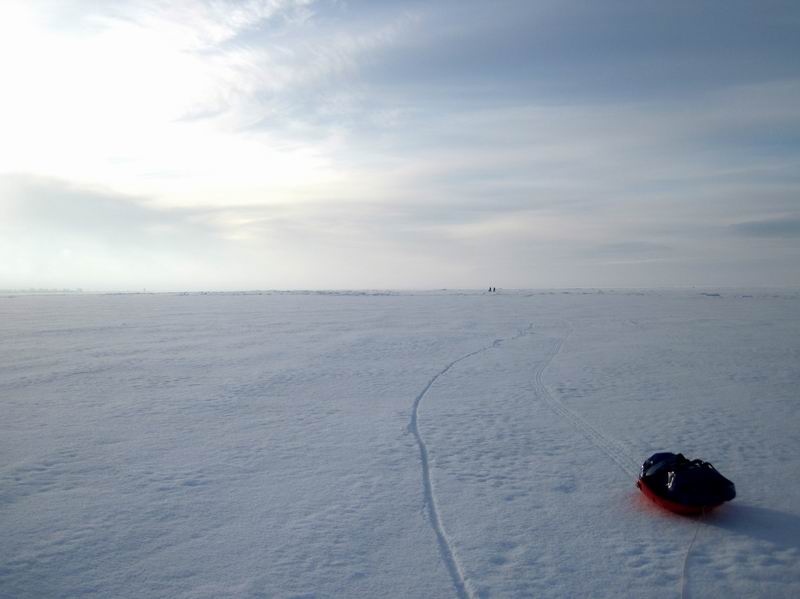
(682,486)
(678,508)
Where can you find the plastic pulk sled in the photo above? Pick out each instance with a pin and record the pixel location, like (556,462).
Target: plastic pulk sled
(683,486)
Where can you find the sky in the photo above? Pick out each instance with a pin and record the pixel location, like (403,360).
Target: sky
(297,144)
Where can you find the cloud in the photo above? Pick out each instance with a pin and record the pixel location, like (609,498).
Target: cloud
(270,142)
(632,248)
(579,52)
(195,25)
(786,227)
(60,208)
(81,236)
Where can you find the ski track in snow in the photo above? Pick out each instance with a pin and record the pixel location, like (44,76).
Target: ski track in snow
(454,568)
(610,447)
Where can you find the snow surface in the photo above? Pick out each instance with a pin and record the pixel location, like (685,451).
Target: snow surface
(440,444)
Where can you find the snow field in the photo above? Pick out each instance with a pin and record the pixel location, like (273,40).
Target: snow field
(269,445)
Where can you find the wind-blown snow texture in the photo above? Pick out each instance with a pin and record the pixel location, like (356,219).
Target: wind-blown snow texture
(406,445)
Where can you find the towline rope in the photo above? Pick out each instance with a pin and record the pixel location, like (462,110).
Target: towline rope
(688,552)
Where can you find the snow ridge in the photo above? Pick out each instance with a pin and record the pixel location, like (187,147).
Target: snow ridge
(610,447)
(460,583)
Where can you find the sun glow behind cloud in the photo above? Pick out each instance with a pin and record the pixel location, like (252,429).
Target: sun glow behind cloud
(115,103)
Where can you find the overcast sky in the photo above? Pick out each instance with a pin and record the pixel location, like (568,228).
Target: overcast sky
(216,144)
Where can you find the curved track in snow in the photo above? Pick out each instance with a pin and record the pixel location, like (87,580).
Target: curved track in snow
(451,562)
(616,453)
(445,547)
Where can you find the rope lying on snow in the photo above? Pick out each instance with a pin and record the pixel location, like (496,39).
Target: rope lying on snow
(612,448)
(689,551)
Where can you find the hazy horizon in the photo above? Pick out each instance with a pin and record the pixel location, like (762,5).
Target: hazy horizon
(294,144)
(709,290)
